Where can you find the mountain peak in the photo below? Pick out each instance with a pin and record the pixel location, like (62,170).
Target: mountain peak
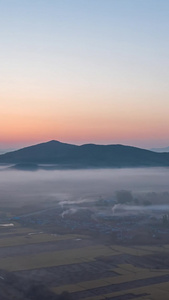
(54,141)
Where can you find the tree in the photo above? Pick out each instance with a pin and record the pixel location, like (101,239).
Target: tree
(165,220)
(124,196)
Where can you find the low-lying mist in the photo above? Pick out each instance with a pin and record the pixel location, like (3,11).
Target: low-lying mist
(96,190)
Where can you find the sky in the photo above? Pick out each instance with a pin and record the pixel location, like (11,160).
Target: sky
(84,71)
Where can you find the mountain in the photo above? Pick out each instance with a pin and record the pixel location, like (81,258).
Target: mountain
(85,156)
(166,149)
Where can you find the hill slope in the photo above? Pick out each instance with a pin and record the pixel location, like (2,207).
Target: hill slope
(88,155)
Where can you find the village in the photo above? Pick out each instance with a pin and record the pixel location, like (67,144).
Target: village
(106,220)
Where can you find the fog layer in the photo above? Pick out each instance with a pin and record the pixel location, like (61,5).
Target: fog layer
(76,186)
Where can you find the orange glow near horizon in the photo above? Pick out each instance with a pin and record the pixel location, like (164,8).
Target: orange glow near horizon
(85,116)
(102,127)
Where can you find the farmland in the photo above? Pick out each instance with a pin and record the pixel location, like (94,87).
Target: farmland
(84,267)
(93,248)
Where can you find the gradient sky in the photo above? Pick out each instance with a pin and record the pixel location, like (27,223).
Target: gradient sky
(84,71)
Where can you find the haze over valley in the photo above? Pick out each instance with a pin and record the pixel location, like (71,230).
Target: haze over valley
(46,211)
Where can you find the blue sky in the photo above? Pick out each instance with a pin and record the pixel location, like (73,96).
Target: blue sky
(100,68)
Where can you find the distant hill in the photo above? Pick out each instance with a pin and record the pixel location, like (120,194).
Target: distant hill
(166,149)
(2,151)
(85,156)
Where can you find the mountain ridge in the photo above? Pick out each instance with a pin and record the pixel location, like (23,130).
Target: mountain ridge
(86,155)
